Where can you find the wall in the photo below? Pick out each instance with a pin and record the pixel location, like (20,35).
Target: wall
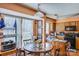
(68,19)
(60,27)
(52,23)
(18,8)
(27,10)
(52,26)
(35,28)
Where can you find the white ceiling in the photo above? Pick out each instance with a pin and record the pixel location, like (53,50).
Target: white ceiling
(60,9)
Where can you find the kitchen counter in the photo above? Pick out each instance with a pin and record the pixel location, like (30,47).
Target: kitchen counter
(60,37)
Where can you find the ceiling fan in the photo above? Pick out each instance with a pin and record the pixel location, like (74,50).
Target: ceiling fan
(39,13)
(54,16)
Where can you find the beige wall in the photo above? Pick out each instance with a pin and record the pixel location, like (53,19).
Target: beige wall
(60,27)
(51,23)
(18,8)
(26,10)
(68,20)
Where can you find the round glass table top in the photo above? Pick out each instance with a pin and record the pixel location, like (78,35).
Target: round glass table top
(35,47)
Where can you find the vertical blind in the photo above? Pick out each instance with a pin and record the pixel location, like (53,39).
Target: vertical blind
(27,29)
(24,29)
(9,30)
(18,39)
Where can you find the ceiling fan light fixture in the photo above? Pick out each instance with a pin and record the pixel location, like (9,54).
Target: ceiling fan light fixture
(39,14)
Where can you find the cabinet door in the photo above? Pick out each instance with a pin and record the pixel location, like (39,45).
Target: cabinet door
(67,24)
(77,24)
(77,43)
(72,23)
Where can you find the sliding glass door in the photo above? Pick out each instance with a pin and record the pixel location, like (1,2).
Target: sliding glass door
(27,31)
(12,30)
(9,29)
(17,29)
(9,33)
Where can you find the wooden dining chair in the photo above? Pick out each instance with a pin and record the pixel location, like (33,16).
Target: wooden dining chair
(56,49)
(69,51)
(20,52)
(27,42)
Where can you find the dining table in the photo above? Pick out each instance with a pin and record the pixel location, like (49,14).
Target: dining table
(37,49)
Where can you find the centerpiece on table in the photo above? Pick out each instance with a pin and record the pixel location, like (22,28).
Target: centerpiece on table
(39,43)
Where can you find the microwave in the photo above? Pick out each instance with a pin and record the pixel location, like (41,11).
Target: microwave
(70,28)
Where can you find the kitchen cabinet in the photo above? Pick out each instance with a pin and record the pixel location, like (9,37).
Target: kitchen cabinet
(77,24)
(77,42)
(67,23)
(60,37)
(70,23)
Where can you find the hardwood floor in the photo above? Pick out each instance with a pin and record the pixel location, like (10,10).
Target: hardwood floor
(70,54)
(62,52)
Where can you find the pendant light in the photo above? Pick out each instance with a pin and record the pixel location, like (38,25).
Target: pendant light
(39,13)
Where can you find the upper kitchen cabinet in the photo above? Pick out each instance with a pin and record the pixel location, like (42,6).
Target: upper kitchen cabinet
(67,23)
(77,24)
(70,23)
(73,23)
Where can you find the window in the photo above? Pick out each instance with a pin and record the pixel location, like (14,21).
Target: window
(9,29)
(39,29)
(47,28)
(27,29)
